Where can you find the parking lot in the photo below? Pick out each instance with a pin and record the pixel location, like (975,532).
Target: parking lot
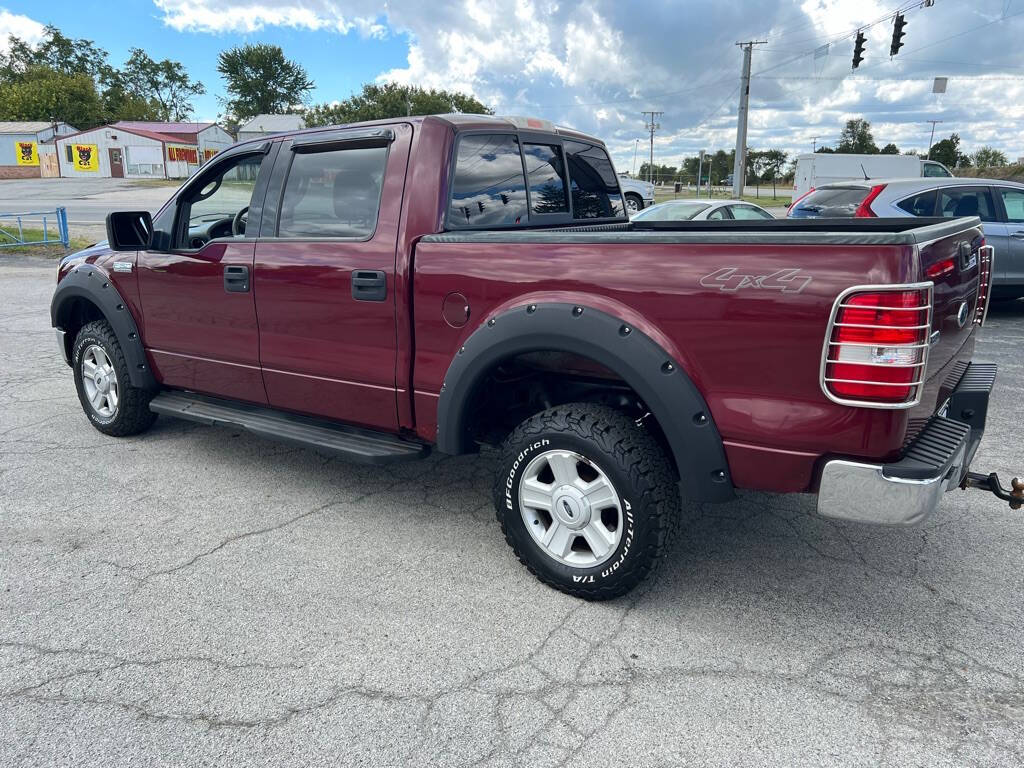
(194,596)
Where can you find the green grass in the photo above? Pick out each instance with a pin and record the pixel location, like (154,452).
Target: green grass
(661,194)
(53,251)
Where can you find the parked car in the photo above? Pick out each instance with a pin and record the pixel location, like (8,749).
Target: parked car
(820,168)
(702,210)
(360,292)
(999,204)
(637,193)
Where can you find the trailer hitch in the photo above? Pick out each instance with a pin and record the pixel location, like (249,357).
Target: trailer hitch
(1014,496)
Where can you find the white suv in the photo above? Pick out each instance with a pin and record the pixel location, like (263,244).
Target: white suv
(999,204)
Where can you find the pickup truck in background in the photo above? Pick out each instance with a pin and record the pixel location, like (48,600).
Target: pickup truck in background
(636,193)
(451,282)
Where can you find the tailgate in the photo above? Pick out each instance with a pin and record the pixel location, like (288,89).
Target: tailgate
(953,264)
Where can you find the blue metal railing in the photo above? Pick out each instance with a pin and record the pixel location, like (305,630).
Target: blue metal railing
(13,226)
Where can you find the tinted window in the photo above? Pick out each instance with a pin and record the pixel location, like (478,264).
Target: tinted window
(595,189)
(922,204)
(1013,199)
(333,194)
(747,212)
(488,189)
(934,169)
(545,174)
(833,201)
(966,201)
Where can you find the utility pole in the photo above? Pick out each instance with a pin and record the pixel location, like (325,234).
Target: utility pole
(739,168)
(814,143)
(636,146)
(652,126)
(932,139)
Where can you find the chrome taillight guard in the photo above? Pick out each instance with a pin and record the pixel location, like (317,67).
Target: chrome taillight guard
(917,384)
(986,265)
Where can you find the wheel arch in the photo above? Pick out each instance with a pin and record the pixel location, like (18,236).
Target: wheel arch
(88,289)
(642,363)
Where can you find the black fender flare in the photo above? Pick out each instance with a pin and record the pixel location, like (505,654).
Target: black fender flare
(87,282)
(673,399)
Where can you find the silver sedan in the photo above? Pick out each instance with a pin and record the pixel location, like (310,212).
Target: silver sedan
(702,210)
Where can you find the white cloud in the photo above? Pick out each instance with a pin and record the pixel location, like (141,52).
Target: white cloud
(595,64)
(19,26)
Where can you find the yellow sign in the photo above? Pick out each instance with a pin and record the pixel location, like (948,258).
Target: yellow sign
(27,152)
(86,157)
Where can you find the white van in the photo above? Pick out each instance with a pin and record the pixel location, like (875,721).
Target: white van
(819,168)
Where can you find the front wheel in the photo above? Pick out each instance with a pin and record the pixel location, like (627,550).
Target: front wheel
(586,498)
(634,203)
(108,398)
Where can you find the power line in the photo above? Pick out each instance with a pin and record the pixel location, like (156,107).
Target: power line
(652,126)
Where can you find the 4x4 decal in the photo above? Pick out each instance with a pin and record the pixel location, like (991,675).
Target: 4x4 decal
(730,279)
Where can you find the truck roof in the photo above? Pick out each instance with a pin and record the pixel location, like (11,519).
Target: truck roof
(460,122)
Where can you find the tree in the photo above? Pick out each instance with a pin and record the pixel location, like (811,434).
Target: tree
(45,94)
(55,51)
(774,159)
(387,100)
(143,90)
(948,152)
(163,84)
(989,157)
(889,149)
(856,138)
(260,80)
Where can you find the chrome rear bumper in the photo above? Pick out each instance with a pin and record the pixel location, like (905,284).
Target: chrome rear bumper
(908,491)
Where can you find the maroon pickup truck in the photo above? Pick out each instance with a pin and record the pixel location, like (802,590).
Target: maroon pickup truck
(379,289)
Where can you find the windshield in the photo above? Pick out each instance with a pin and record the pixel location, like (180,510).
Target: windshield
(830,202)
(671,212)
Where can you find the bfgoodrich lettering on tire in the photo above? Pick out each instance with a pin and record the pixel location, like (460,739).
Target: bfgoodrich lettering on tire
(586,499)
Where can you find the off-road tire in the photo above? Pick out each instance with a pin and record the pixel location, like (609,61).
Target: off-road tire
(132,414)
(643,479)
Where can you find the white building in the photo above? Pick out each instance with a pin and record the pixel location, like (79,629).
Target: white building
(267,125)
(209,137)
(27,150)
(135,150)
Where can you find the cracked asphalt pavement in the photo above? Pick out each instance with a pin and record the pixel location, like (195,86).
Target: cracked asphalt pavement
(194,596)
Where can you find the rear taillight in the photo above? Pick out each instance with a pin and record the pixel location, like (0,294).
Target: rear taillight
(876,350)
(864,209)
(986,263)
(794,203)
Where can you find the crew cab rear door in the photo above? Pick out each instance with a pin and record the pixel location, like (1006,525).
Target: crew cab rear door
(324,274)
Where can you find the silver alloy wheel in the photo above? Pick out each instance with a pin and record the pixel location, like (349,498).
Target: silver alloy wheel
(632,205)
(570,508)
(100,381)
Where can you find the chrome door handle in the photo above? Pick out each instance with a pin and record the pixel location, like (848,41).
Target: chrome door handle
(1017,235)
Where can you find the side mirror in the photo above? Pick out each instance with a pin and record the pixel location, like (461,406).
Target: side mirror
(129,230)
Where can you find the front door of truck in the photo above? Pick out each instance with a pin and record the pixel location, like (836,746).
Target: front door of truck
(325,274)
(199,315)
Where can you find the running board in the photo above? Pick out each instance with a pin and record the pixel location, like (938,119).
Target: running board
(361,445)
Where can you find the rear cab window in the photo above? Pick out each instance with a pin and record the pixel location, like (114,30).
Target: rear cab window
(503,180)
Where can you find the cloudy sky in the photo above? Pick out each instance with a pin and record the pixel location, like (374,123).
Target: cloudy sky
(597,65)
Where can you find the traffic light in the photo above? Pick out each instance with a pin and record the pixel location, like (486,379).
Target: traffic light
(858,49)
(897,34)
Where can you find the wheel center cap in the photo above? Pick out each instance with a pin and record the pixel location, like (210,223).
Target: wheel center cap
(101,382)
(571,508)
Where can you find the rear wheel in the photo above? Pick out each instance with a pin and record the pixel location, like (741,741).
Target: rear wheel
(586,499)
(104,387)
